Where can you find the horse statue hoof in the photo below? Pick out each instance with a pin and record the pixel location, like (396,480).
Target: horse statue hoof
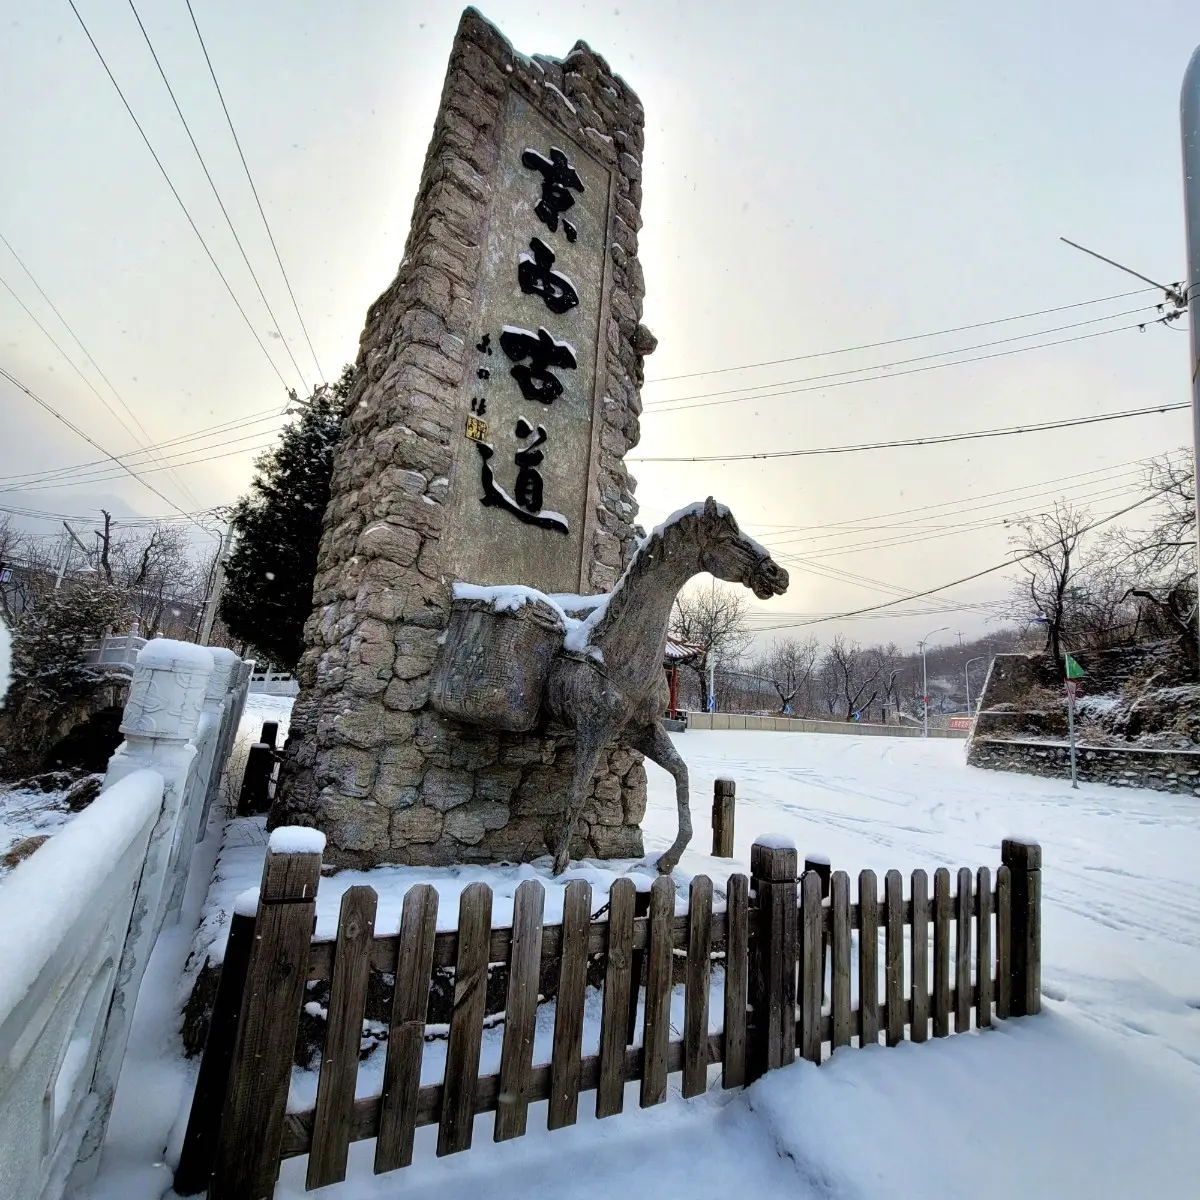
(562,860)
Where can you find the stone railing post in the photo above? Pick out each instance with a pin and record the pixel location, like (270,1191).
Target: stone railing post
(239,685)
(1024,861)
(209,733)
(161,717)
(773,956)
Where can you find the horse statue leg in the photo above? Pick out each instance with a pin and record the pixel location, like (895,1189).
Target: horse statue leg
(654,742)
(589,740)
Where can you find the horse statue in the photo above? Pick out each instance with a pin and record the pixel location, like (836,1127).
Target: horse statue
(604,677)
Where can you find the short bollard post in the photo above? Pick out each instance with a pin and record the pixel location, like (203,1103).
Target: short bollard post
(255,796)
(773,968)
(722,818)
(1024,860)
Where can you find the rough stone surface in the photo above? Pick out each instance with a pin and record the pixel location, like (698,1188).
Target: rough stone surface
(1161,770)
(368,762)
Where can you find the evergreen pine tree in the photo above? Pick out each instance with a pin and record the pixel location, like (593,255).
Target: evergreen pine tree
(277,527)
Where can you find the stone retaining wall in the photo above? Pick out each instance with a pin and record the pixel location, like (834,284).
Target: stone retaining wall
(1161,770)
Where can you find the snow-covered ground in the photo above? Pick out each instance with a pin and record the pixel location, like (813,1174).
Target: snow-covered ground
(28,812)
(1095,1098)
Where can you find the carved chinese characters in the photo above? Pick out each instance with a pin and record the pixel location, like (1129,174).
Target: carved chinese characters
(524,463)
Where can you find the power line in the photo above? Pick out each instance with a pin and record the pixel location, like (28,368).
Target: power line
(935,440)
(178,198)
(902,362)
(250,180)
(957,503)
(913,337)
(203,434)
(977,574)
(144,439)
(1082,337)
(216,193)
(102,477)
(45,404)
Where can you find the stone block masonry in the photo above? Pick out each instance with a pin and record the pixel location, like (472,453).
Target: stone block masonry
(369,763)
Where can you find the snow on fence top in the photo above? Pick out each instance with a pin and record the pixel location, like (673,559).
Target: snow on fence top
(296,839)
(166,654)
(776,841)
(42,898)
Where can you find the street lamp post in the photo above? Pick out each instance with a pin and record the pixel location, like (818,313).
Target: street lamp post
(925,679)
(967,677)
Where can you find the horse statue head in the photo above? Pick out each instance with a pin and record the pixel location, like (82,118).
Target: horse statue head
(727,553)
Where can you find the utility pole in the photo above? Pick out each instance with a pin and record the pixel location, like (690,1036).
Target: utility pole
(925,680)
(1189,122)
(214,599)
(66,555)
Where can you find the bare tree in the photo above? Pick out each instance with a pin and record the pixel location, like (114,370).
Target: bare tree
(1159,563)
(858,672)
(712,618)
(788,667)
(1049,544)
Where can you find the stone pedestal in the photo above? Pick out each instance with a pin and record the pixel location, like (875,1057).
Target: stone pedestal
(532,160)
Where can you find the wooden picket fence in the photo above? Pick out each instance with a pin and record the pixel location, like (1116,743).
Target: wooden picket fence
(784,947)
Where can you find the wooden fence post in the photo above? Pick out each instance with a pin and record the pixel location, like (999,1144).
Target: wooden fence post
(722,818)
(773,978)
(247,1162)
(1024,861)
(212,1080)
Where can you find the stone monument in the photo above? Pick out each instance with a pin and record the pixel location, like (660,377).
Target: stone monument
(498,390)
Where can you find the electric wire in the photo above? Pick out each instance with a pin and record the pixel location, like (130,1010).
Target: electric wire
(217,195)
(178,198)
(250,180)
(48,407)
(912,337)
(931,440)
(840,383)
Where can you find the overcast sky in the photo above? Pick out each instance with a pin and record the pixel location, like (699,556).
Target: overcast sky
(817,177)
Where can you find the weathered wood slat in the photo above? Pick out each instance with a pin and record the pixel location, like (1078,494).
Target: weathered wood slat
(773,972)
(568,1008)
(516,1054)
(466,1021)
(656,1035)
(919,954)
(610,1093)
(839,902)
(343,1038)
(413,966)
(212,1081)
(983,950)
(699,970)
(298,1126)
(893,889)
(1003,943)
(812,980)
(868,959)
(942,915)
(737,979)
(248,1147)
(962,951)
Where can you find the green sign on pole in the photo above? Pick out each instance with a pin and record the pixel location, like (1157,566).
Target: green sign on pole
(1074,670)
